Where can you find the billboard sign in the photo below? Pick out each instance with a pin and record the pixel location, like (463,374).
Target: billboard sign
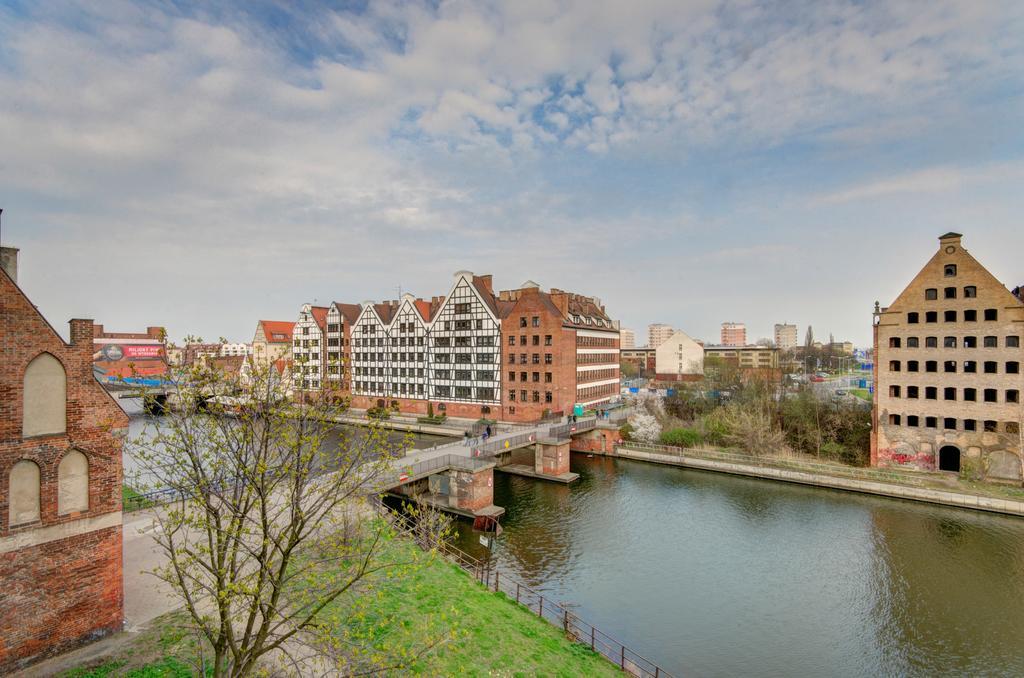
(118,359)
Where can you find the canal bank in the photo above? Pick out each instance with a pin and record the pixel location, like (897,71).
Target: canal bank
(873,481)
(717,574)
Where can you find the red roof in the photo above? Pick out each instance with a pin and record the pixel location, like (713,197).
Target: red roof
(424,308)
(320,316)
(349,311)
(282,366)
(277,331)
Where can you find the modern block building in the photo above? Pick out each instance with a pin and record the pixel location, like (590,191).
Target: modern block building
(679,358)
(785,336)
(734,334)
(753,361)
(513,355)
(948,377)
(627,338)
(60,486)
(657,333)
(643,358)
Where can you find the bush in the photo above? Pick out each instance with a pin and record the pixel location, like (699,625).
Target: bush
(431,419)
(378,413)
(626,431)
(681,437)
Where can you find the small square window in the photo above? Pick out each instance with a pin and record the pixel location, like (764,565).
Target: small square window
(1012,341)
(949,316)
(970,292)
(949,342)
(970,425)
(913,317)
(912,392)
(949,270)
(931,294)
(1013,367)
(931,342)
(970,315)
(991,314)
(949,423)
(949,393)
(931,366)
(949,366)
(912,366)
(913,342)
(931,316)
(970,342)
(913,420)
(990,426)
(949,293)
(991,395)
(991,342)
(991,367)
(894,419)
(894,391)
(931,393)
(1012,395)
(931,422)
(894,342)
(894,365)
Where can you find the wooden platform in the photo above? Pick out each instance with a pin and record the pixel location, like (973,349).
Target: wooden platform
(440,502)
(530,472)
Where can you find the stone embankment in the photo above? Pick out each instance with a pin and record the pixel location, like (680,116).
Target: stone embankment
(868,481)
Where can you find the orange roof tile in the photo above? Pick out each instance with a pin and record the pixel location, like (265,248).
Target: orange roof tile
(319,315)
(277,331)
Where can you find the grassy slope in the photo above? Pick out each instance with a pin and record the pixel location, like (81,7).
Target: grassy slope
(492,634)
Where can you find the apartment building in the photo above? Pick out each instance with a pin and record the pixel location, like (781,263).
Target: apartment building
(627,338)
(734,334)
(948,370)
(657,333)
(754,360)
(308,348)
(679,358)
(515,355)
(785,336)
(272,342)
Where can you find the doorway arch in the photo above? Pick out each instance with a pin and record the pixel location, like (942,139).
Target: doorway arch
(949,458)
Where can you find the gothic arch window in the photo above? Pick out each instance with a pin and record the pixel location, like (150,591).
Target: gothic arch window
(44,397)
(24,493)
(73,483)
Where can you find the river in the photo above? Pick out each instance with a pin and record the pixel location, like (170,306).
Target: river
(716,575)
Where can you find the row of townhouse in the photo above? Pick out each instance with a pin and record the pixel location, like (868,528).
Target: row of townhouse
(516,355)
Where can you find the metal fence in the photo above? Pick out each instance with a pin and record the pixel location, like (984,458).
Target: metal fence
(576,629)
(711,454)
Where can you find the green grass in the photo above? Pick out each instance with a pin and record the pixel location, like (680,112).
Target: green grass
(491,634)
(485,633)
(861,393)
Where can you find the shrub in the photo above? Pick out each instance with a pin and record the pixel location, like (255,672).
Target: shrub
(378,413)
(626,431)
(645,427)
(681,437)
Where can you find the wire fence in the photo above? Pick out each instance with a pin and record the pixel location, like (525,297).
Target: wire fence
(575,627)
(712,454)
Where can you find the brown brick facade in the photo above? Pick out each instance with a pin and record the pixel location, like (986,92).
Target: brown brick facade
(60,575)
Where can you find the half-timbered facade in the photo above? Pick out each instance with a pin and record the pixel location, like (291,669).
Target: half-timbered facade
(308,348)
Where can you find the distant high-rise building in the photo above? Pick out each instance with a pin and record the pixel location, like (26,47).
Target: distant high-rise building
(734,334)
(785,336)
(627,338)
(658,333)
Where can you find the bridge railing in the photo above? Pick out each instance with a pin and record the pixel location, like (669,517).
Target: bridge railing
(575,627)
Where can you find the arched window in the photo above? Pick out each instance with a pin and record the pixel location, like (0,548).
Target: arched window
(45,397)
(73,483)
(24,493)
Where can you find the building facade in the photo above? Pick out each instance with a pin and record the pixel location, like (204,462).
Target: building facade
(338,352)
(308,348)
(679,358)
(516,355)
(643,358)
(734,334)
(627,338)
(948,371)
(753,361)
(60,488)
(657,333)
(785,336)
(124,355)
(272,342)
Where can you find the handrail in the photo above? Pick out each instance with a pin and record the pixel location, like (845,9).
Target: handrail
(577,629)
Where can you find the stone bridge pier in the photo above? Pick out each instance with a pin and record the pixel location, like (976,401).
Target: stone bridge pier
(466,491)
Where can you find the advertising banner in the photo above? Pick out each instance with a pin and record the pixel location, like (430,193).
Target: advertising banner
(115,361)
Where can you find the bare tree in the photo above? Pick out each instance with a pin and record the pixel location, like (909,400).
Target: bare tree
(269,540)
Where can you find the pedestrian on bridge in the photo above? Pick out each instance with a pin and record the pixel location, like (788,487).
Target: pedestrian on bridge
(465,438)
(487,431)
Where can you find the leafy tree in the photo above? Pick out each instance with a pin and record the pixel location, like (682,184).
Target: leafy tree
(268,542)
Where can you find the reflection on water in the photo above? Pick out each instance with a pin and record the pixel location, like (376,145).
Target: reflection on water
(710,574)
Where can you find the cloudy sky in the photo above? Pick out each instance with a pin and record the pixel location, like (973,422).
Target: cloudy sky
(688,161)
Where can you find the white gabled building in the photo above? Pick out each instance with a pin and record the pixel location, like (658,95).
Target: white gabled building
(308,348)
(679,358)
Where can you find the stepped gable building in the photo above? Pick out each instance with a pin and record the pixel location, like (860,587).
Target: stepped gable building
(948,377)
(308,348)
(515,355)
(60,487)
(272,342)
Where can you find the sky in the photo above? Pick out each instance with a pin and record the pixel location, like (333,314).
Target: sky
(205,165)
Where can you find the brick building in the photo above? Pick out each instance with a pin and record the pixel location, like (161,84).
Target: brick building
(643,358)
(515,355)
(947,370)
(123,355)
(60,487)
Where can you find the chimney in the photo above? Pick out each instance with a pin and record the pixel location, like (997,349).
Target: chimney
(560,300)
(9,262)
(81,333)
(97,331)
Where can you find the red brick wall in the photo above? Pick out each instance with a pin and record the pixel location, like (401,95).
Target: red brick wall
(76,580)
(563,368)
(59,595)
